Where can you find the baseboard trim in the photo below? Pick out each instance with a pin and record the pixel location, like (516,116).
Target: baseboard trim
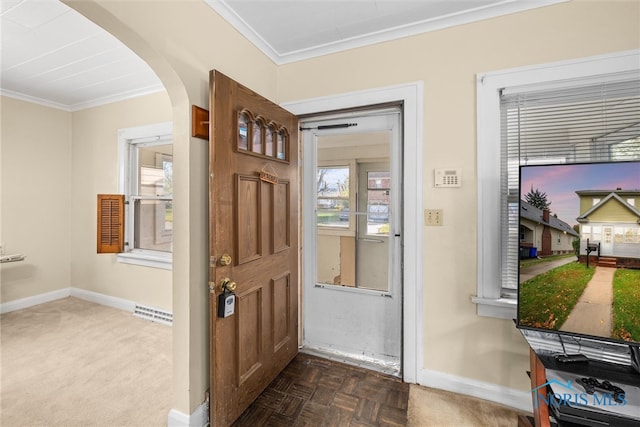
(512,398)
(19,304)
(83,294)
(199,418)
(102,299)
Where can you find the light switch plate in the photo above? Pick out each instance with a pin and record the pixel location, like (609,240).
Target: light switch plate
(433,217)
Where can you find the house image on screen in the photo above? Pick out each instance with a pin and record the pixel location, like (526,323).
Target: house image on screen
(543,234)
(610,220)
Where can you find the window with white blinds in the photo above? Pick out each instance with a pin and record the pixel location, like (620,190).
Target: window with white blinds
(580,122)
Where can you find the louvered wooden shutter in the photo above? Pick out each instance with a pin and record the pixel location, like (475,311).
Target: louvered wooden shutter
(110,223)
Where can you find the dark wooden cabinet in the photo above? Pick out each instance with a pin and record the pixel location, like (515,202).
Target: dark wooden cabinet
(544,367)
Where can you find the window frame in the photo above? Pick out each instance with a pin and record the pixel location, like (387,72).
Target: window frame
(349,230)
(162,133)
(620,65)
(369,211)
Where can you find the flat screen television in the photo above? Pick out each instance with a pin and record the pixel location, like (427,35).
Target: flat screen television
(579,251)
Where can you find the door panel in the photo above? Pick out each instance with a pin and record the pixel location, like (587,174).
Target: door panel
(281,310)
(281,216)
(249,328)
(253,202)
(248,213)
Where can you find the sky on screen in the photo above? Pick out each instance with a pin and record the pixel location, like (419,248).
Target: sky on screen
(560,183)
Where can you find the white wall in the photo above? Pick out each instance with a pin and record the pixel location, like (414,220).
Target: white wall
(95,170)
(35,198)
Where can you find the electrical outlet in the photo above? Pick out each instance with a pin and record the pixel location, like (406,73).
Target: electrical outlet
(433,217)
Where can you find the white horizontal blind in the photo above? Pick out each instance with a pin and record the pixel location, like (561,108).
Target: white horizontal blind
(573,124)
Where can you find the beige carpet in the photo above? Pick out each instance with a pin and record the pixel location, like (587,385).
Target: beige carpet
(430,407)
(76,363)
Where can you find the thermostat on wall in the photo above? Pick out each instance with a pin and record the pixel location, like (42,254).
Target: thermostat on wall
(448,178)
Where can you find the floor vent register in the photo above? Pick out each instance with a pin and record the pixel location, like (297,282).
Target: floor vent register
(153,314)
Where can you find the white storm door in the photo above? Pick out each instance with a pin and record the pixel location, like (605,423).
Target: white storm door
(347,313)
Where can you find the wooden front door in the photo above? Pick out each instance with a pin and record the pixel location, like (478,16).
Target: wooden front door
(253,220)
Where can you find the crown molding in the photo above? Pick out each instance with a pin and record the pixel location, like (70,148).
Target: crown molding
(149,90)
(468,16)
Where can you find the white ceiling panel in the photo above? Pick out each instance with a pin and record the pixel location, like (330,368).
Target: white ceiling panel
(290,30)
(54,56)
(5,5)
(50,54)
(32,14)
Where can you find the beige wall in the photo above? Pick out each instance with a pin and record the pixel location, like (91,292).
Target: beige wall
(95,170)
(456,340)
(182,41)
(35,198)
(54,164)
(198,40)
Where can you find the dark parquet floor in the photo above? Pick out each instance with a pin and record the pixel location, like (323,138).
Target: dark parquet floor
(313,391)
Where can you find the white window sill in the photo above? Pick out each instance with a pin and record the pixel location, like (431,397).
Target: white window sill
(501,308)
(147,259)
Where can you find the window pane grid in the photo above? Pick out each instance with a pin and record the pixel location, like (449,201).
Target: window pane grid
(571,125)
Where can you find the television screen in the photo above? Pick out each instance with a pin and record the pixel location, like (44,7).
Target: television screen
(579,250)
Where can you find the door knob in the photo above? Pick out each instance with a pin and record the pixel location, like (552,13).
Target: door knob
(225,259)
(227,285)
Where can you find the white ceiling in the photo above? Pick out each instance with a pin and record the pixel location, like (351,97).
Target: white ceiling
(292,30)
(52,55)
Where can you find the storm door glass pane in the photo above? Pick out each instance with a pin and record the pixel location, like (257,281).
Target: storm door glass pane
(335,252)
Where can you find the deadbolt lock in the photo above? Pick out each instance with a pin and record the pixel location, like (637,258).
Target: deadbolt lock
(227,285)
(225,259)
